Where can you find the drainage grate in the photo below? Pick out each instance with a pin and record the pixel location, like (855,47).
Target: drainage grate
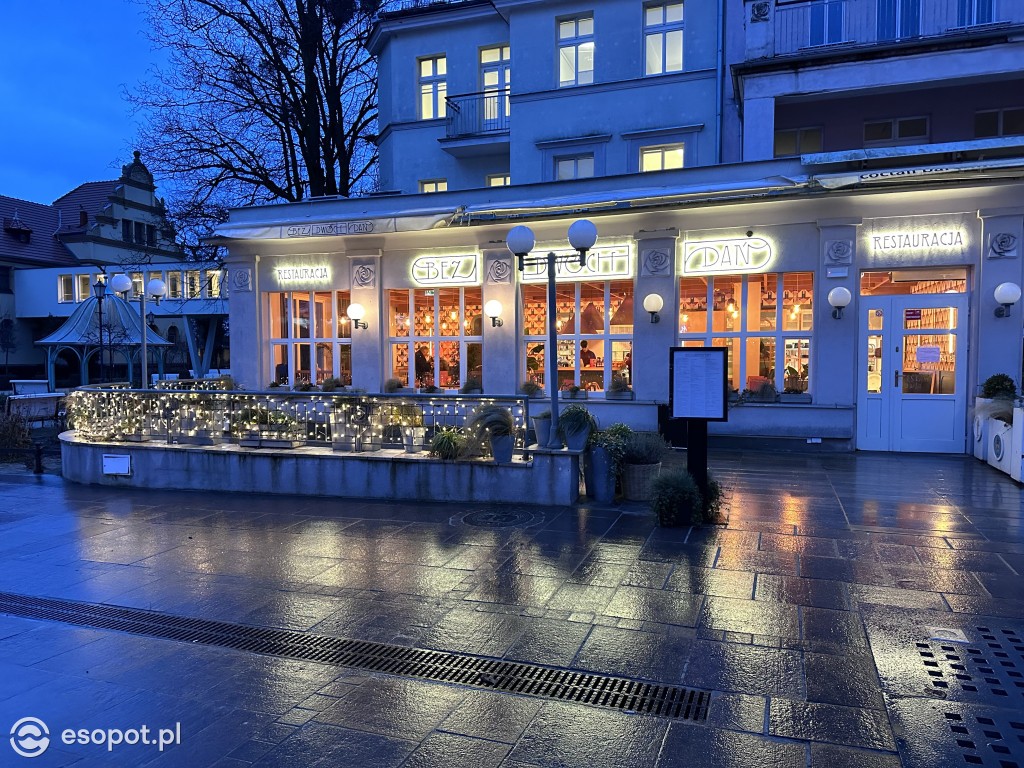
(985,741)
(460,669)
(991,670)
(508,518)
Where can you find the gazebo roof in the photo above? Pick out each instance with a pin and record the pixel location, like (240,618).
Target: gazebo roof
(121,326)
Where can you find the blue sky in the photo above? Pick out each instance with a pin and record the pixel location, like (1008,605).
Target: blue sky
(63,66)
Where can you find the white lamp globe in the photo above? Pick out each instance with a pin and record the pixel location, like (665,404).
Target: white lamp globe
(840,297)
(156,288)
(355,311)
(493,308)
(520,240)
(582,235)
(120,283)
(1007,293)
(653,302)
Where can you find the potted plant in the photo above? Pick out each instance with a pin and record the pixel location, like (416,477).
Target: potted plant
(676,499)
(396,386)
(764,393)
(996,403)
(575,423)
(641,463)
(447,443)
(531,389)
(431,389)
(575,393)
(493,425)
(351,425)
(331,384)
(618,389)
(542,427)
(471,387)
(794,395)
(604,461)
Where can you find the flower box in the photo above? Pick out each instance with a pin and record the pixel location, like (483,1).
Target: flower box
(623,395)
(580,395)
(794,397)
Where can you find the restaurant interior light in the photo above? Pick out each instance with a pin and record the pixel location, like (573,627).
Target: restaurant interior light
(653,304)
(1007,294)
(839,298)
(493,310)
(355,313)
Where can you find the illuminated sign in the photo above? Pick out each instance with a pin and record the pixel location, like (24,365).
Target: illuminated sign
(918,241)
(302,274)
(365,227)
(446,270)
(741,254)
(602,263)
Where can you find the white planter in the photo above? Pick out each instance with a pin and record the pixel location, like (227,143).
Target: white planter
(1000,445)
(1017,445)
(981,431)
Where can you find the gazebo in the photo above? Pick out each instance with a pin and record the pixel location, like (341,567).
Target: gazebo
(121,333)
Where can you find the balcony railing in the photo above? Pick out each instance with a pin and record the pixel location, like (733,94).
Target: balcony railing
(800,26)
(478,114)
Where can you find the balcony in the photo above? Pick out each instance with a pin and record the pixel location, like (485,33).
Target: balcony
(804,26)
(478,124)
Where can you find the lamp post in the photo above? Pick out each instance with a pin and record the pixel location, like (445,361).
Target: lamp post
(158,289)
(99,290)
(520,240)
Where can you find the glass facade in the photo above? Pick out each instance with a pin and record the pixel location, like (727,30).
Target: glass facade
(310,337)
(435,336)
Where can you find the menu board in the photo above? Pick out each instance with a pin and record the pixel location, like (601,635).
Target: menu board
(698,383)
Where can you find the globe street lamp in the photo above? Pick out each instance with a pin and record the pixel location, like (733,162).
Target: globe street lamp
(157,289)
(520,240)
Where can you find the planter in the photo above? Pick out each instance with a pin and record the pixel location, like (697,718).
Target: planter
(581,395)
(637,479)
(202,437)
(1017,445)
(981,432)
(577,441)
(414,438)
(542,428)
(627,395)
(599,478)
(502,447)
(472,392)
(249,440)
(280,442)
(802,397)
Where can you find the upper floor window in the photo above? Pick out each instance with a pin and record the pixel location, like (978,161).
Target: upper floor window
(901,130)
(663,38)
(797,141)
(434,185)
(150,235)
(65,288)
(174,285)
(5,280)
(84,287)
(126,230)
(433,87)
(140,232)
(576,51)
(661,158)
(574,166)
(499,180)
(999,122)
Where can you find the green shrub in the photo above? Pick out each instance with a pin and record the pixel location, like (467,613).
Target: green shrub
(676,499)
(330,384)
(13,434)
(472,385)
(447,443)
(431,389)
(485,422)
(644,448)
(613,440)
(619,384)
(530,388)
(575,418)
(999,385)
(393,385)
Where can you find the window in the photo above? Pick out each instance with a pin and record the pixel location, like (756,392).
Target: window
(434,185)
(126,230)
(65,289)
(499,180)
(972,12)
(150,235)
(764,320)
(5,280)
(213,283)
(84,286)
(576,51)
(661,158)
(574,167)
(174,285)
(999,122)
(797,141)
(310,337)
(433,88)
(495,81)
(595,333)
(663,38)
(439,331)
(140,232)
(193,288)
(902,130)
(137,284)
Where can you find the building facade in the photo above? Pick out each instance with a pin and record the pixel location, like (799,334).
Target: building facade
(743,254)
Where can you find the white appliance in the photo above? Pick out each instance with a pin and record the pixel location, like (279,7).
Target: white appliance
(981,437)
(999,445)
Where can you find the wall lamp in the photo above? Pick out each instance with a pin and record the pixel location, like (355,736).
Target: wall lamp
(355,313)
(1007,294)
(653,304)
(840,299)
(493,310)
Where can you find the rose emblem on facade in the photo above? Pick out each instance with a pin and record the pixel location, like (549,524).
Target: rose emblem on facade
(760,11)
(1004,246)
(840,252)
(655,262)
(364,276)
(499,271)
(241,280)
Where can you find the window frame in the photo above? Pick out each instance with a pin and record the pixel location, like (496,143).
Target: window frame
(662,30)
(338,334)
(430,186)
(575,42)
(1000,114)
(66,289)
(506,179)
(575,158)
(661,149)
(434,84)
(894,140)
(800,138)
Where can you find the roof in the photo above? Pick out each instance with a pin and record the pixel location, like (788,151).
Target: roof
(37,224)
(121,326)
(92,197)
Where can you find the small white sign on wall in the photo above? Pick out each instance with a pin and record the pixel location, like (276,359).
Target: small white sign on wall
(117,464)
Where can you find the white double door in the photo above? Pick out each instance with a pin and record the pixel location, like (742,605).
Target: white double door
(912,373)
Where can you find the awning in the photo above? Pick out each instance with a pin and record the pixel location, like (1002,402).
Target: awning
(978,169)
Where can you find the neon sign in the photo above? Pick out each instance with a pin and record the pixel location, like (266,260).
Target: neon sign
(735,255)
(308,274)
(602,264)
(446,270)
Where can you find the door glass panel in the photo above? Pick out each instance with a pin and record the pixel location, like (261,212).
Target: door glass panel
(733,361)
(929,364)
(449,365)
(797,364)
(761,302)
(400,362)
(760,362)
(913,282)
(930,317)
(875,318)
(875,362)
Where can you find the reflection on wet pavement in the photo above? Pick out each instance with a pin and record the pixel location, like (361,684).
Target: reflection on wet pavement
(806,616)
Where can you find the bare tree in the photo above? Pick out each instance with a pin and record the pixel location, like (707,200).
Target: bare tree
(8,339)
(260,100)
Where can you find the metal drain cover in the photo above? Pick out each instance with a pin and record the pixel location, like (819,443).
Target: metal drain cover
(990,671)
(499,518)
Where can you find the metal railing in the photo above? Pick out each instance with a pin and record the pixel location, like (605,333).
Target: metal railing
(477,114)
(345,421)
(799,26)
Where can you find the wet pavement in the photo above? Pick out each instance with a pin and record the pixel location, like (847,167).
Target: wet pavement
(857,610)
